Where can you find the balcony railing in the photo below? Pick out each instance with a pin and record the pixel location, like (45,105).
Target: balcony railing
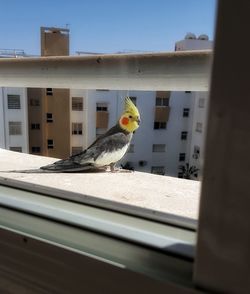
(174,71)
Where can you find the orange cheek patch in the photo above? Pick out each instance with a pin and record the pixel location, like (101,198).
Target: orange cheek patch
(125,120)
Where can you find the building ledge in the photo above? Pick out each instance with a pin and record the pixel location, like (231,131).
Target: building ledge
(158,196)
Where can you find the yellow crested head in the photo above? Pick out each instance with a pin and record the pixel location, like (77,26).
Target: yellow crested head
(130,119)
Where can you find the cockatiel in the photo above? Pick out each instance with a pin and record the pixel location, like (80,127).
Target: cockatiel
(107,149)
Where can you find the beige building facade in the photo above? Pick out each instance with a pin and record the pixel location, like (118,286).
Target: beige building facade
(49,109)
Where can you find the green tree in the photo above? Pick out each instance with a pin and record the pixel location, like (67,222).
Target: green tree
(188,172)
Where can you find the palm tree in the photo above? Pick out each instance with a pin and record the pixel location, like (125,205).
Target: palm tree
(188,171)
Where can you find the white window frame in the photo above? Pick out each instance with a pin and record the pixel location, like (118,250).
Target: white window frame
(77,128)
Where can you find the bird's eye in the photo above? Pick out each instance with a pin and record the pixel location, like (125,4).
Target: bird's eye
(130,116)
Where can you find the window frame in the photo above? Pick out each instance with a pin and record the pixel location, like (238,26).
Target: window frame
(77,129)
(49,117)
(161,147)
(159,125)
(35,149)
(161,170)
(182,156)
(14,127)
(184,135)
(215,266)
(199,127)
(50,144)
(16,148)
(77,105)
(164,101)
(186,112)
(11,96)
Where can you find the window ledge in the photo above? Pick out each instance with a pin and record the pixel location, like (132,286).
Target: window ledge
(161,196)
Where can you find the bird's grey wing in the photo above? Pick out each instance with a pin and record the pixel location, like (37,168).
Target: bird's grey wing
(108,144)
(86,159)
(80,162)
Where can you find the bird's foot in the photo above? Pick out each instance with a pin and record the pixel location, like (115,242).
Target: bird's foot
(114,169)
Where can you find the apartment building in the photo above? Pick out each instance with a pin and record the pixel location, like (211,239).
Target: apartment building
(157,146)
(199,105)
(49,109)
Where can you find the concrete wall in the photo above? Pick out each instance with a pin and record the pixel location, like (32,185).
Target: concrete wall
(19,115)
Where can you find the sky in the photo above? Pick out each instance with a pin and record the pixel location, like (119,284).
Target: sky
(106,25)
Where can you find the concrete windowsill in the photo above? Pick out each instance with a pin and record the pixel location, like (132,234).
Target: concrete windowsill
(142,190)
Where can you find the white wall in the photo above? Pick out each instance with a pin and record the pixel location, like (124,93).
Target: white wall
(2,121)
(14,115)
(198,138)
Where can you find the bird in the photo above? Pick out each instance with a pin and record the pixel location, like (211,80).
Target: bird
(107,149)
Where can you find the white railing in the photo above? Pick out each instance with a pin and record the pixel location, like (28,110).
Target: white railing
(175,71)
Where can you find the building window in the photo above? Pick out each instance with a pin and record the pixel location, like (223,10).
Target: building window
(76,128)
(101,107)
(49,92)
(161,101)
(131,148)
(76,150)
(159,147)
(50,144)
(184,135)
(201,102)
(16,149)
(34,102)
(158,170)
(185,112)
(49,117)
(100,131)
(77,103)
(196,153)
(15,128)
(182,156)
(160,125)
(35,149)
(35,126)
(14,102)
(180,175)
(133,99)
(198,127)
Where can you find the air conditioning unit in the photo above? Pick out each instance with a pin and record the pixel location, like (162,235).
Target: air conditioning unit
(142,162)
